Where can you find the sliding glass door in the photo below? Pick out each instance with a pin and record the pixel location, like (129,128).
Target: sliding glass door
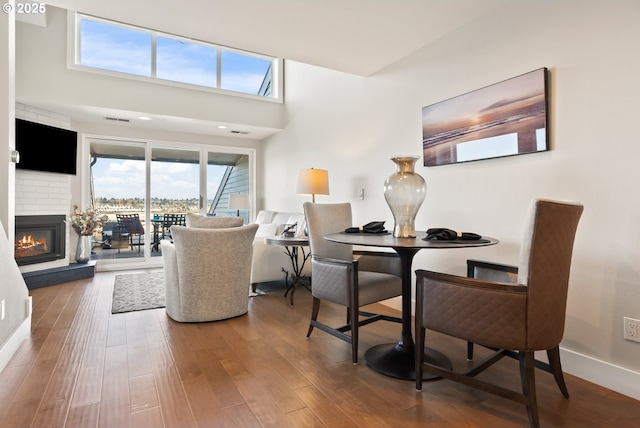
(157,184)
(175,190)
(118,191)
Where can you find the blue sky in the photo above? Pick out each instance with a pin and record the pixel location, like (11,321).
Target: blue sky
(128,50)
(114,178)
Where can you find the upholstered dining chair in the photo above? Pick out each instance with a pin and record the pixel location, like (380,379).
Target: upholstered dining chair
(490,271)
(207,270)
(346,277)
(511,319)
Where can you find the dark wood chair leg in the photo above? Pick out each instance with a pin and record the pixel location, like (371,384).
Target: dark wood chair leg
(353,315)
(528,378)
(314,314)
(254,287)
(419,356)
(469,351)
(556,368)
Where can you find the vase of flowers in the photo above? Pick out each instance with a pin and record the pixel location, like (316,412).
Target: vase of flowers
(85,224)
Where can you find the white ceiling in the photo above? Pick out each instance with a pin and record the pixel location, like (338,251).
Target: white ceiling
(352,36)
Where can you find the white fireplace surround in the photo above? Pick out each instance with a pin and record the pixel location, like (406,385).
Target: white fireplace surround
(43,193)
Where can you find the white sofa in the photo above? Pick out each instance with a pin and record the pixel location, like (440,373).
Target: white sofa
(269,260)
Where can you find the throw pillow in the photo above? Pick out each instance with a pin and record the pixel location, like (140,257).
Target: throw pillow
(265,217)
(266,229)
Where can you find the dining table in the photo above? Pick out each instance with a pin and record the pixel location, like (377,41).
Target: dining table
(398,359)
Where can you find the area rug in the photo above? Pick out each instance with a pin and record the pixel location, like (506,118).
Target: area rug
(137,292)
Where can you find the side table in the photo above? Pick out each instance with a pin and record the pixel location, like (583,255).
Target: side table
(293,246)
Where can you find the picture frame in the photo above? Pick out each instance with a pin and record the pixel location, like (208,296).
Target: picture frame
(504,119)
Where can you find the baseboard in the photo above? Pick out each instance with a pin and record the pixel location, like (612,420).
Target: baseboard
(13,343)
(619,379)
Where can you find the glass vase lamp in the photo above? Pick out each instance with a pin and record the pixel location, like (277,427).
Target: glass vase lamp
(404,191)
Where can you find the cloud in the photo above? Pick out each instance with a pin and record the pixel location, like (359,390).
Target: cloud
(116,178)
(126,167)
(128,56)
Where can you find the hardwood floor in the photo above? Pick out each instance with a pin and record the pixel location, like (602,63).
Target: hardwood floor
(84,367)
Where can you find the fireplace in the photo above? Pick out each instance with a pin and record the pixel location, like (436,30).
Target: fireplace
(39,238)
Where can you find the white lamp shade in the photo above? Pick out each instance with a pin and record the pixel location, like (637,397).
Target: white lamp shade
(238,201)
(313,182)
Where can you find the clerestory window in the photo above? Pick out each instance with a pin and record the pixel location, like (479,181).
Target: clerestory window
(135,51)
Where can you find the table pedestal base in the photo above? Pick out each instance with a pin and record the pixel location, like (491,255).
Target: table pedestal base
(394,360)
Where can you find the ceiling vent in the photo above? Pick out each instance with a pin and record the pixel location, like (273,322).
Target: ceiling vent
(240,132)
(117,119)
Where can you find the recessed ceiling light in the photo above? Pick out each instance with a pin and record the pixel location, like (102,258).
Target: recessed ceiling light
(222,126)
(144,118)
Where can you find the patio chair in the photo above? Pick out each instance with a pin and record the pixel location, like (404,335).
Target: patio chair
(172,219)
(131,225)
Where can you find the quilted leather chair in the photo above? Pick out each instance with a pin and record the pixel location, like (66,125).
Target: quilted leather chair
(511,319)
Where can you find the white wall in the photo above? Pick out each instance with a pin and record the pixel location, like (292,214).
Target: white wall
(352,125)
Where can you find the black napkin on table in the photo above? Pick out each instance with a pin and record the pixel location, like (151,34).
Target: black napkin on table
(443,234)
(372,227)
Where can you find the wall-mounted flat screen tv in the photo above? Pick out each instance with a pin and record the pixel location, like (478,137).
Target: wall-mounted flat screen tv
(505,119)
(46,148)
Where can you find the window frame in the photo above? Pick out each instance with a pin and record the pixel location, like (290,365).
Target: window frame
(73,60)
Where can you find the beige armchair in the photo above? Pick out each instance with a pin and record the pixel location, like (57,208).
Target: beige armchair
(511,319)
(207,272)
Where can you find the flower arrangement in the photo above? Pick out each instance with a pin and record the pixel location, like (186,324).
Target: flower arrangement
(84,222)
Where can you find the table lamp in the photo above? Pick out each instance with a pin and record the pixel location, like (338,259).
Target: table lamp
(313,182)
(238,202)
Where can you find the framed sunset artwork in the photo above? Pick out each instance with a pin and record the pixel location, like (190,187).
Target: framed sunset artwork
(505,119)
